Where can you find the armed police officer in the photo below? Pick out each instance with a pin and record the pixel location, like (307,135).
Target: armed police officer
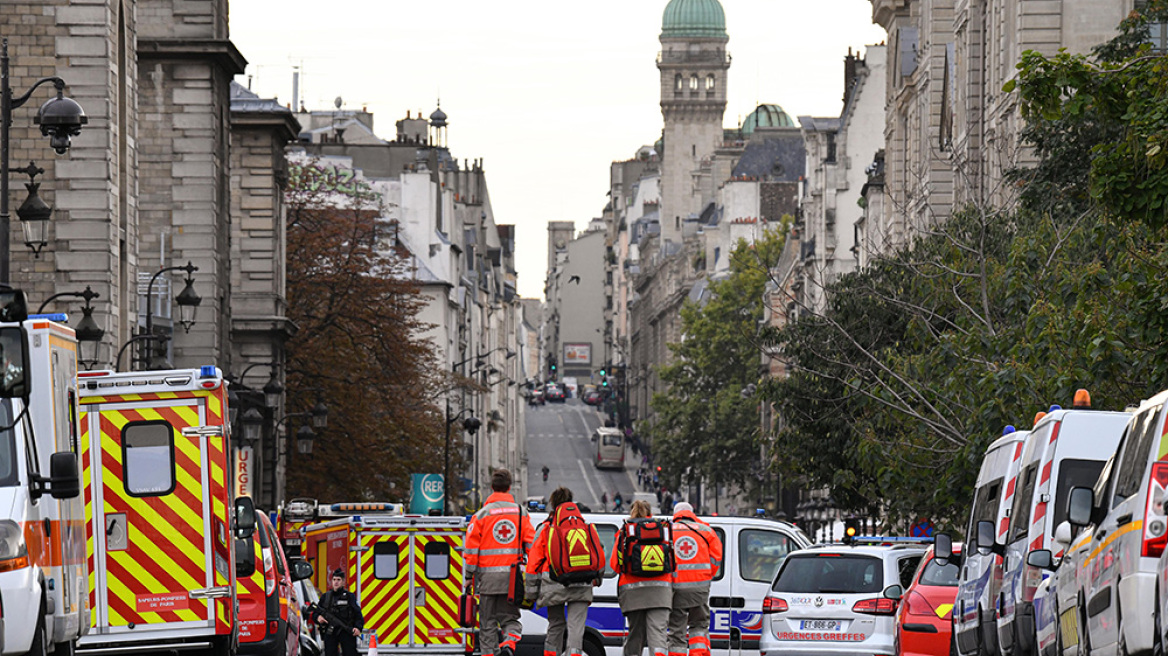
(340,616)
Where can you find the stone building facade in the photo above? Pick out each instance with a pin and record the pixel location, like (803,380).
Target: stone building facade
(950,131)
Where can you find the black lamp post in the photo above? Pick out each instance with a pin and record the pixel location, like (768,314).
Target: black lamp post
(304,438)
(188,301)
(34,213)
(60,119)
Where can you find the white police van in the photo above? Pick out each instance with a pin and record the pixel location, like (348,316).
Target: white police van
(753,550)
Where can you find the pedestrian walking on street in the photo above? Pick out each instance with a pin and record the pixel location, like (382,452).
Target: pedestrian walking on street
(645,600)
(617,502)
(343,606)
(604,500)
(699,555)
(566,603)
(498,538)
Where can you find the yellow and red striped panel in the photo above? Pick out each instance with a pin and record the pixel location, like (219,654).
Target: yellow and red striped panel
(435,621)
(386,602)
(221,538)
(149,581)
(87,484)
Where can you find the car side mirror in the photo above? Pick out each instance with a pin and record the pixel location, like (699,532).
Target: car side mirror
(64,477)
(1062,534)
(943,548)
(1040,558)
(245,517)
(14,364)
(894,592)
(987,539)
(245,557)
(301,569)
(1080,503)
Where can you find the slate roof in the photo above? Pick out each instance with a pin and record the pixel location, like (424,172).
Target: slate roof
(244,100)
(761,155)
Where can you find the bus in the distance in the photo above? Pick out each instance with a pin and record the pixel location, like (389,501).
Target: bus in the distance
(610,448)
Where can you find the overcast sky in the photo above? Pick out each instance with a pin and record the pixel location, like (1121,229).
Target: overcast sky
(547,92)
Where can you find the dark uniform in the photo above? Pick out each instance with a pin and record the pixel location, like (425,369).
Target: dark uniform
(343,604)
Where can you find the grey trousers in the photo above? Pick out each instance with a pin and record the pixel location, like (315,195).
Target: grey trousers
(496,613)
(566,618)
(695,622)
(647,626)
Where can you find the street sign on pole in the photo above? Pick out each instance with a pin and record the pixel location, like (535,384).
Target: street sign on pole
(922,528)
(426,493)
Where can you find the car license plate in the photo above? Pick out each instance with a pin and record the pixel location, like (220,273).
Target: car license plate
(820,625)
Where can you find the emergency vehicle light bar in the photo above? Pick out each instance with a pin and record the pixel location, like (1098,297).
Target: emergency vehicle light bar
(365,507)
(59,317)
(890,539)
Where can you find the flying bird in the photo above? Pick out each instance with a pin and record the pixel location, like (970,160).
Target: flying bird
(575,279)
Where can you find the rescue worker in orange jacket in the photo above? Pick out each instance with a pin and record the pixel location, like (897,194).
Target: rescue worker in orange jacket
(645,601)
(698,552)
(567,605)
(498,537)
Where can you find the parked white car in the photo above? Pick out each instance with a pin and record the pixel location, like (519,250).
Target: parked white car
(1066,449)
(974,617)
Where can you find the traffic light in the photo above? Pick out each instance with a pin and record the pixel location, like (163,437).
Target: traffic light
(604,383)
(603,372)
(851,528)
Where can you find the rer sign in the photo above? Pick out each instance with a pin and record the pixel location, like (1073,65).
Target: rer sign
(426,493)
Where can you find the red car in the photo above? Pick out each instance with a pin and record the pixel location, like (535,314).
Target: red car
(269,612)
(924,622)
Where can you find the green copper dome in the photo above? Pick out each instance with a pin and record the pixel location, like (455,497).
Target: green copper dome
(700,18)
(766,116)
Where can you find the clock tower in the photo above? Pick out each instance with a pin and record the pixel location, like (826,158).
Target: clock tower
(693,63)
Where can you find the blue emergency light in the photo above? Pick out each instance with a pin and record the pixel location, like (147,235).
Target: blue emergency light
(59,317)
(1055,407)
(1009,429)
(208,371)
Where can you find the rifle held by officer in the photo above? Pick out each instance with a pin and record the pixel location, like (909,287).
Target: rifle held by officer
(334,622)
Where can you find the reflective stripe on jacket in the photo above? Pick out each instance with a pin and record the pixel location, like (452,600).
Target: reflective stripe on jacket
(499,534)
(698,553)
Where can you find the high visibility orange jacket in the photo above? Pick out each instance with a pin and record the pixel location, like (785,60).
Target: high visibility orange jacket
(639,592)
(500,533)
(698,553)
(539,571)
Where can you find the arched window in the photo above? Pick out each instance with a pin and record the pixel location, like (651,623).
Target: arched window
(710,82)
(677,83)
(693,83)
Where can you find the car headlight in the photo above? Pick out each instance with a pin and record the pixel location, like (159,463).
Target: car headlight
(13,552)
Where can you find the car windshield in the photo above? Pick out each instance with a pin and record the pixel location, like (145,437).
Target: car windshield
(830,573)
(943,575)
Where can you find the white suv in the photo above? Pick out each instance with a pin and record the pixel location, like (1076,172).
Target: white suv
(832,599)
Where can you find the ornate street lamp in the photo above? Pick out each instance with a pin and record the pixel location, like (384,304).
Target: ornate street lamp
(304,438)
(273,390)
(253,423)
(34,213)
(60,119)
(319,414)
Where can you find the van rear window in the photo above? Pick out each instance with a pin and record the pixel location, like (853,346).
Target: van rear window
(148,458)
(830,573)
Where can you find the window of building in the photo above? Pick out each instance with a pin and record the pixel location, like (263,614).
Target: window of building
(678,84)
(710,82)
(693,83)
(149,458)
(908,39)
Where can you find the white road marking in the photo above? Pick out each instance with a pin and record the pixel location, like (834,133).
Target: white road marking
(591,490)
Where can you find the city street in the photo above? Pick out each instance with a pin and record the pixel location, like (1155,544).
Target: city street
(559,436)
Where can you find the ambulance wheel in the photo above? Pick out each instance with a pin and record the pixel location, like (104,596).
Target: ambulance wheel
(40,638)
(592,647)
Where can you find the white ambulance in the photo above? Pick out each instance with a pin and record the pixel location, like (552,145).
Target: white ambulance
(43,576)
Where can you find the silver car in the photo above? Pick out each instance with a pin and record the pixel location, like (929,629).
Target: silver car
(832,599)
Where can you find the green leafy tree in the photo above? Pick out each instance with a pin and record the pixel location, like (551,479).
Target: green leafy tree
(706,424)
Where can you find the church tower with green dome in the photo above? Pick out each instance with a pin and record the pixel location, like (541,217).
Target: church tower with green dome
(693,64)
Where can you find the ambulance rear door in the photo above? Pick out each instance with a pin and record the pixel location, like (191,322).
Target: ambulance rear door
(410,573)
(151,503)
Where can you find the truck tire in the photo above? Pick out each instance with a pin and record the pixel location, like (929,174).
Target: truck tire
(68,648)
(40,639)
(592,647)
